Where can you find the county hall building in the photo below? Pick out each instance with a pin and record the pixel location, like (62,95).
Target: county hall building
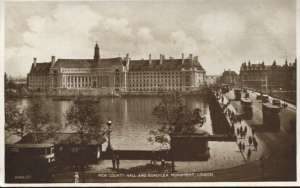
(114,75)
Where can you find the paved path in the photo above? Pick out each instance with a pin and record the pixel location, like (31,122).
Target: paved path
(255,153)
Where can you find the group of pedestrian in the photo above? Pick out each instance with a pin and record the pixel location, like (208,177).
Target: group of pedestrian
(284,105)
(233,117)
(252,141)
(242,131)
(242,146)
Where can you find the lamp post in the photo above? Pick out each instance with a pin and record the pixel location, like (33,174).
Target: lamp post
(109,123)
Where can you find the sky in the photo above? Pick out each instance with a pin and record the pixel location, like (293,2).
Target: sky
(222,33)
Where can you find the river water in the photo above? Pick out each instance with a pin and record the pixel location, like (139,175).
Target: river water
(132,120)
(131,116)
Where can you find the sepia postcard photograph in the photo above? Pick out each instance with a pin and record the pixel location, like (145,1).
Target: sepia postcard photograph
(151,92)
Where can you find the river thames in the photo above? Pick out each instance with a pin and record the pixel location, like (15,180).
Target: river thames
(131,116)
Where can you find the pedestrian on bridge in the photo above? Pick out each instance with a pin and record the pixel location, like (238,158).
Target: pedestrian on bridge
(113,161)
(255,144)
(153,158)
(242,133)
(243,147)
(118,162)
(249,154)
(250,140)
(76,177)
(163,163)
(240,146)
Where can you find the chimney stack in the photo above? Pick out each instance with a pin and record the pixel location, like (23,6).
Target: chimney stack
(182,58)
(127,59)
(191,56)
(196,59)
(150,60)
(52,60)
(34,61)
(161,58)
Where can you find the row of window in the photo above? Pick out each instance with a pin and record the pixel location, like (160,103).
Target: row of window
(154,73)
(155,85)
(154,89)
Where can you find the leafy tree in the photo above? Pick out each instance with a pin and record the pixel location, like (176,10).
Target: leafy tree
(84,118)
(175,117)
(33,119)
(39,117)
(15,119)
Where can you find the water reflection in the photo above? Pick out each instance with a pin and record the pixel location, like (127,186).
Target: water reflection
(132,117)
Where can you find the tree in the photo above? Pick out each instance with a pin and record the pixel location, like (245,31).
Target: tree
(33,119)
(39,117)
(175,117)
(84,118)
(15,119)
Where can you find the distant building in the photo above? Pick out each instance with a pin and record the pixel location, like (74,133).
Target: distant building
(229,77)
(269,77)
(99,75)
(212,79)
(20,81)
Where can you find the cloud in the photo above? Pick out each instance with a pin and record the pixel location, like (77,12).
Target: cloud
(220,27)
(57,34)
(184,43)
(144,34)
(118,27)
(222,34)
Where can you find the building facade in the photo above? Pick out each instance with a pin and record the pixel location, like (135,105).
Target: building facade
(229,77)
(113,75)
(269,77)
(212,79)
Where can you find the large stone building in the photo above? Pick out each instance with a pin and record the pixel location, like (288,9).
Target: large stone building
(113,75)
(229,77)
(269,77)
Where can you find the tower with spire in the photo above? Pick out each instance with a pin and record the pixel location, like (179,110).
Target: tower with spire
(97,53)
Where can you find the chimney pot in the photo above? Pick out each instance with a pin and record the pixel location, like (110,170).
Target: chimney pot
(161,59)
(52,59)
(150,60)
(196,59)
(34,61)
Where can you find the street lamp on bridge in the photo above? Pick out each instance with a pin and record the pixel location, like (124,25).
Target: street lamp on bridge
(109,123)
